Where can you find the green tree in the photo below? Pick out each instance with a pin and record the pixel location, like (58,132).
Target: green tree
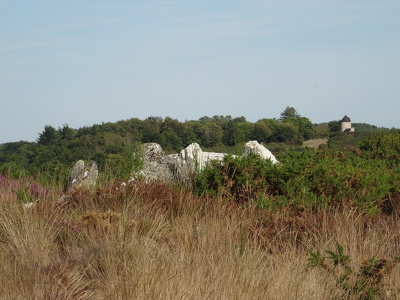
(261,132)
(272,125)
(228,137)
(221,120)
(289,112)
(236,130)
(365,127)
(132,128)
(212,135)
(205,119)
(287,132)
(48,136)
(242,131)
(171,134)
(170,140)
(174,124)
(20,153)
(66,132)
(189,136)
(113,128)
(321,130)
(334,126)
(151,130)
(304,125)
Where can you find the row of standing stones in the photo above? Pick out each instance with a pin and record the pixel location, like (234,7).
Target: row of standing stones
(175,167)
(158,166)
(181,166)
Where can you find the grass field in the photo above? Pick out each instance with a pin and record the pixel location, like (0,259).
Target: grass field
(153,241)
(314,143)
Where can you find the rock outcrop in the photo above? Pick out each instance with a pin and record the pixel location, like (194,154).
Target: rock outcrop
(258,149)
(83,175)
(190,159)
(183,165)
(156,165)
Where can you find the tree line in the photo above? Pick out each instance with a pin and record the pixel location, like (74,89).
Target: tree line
(111,144)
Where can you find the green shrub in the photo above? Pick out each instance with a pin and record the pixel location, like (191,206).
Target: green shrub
(383,146)
(13,170)
(311,178)
(239,178)
(364,282)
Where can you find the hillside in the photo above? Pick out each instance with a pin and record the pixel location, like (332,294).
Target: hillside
(111,144)
(321,223)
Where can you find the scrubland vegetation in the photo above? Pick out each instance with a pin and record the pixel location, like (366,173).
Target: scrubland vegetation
(321,224)
(153,241)
(111,144)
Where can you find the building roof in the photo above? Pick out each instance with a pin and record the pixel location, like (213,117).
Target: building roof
(345,119)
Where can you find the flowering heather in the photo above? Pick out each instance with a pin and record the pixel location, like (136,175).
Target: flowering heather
(2,180)
(32,189)
(38,191)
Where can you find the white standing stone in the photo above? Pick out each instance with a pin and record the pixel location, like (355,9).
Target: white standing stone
(258,149)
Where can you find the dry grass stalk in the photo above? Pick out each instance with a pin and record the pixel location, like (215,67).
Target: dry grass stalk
(149,241)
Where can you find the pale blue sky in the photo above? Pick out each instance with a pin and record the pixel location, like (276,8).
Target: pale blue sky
(85,62)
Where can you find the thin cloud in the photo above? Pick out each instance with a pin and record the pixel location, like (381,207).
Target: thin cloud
(29,45)
(84,25)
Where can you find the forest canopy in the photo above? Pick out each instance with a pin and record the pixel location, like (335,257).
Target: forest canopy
(111,144)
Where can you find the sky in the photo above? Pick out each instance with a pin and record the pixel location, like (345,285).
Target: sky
(86,62)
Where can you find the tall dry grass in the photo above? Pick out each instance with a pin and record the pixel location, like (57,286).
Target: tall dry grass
(151,241)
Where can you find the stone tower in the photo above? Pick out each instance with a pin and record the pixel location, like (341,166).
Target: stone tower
(346,124)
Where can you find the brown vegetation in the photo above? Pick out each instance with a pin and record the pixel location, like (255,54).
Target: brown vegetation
(152,241)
